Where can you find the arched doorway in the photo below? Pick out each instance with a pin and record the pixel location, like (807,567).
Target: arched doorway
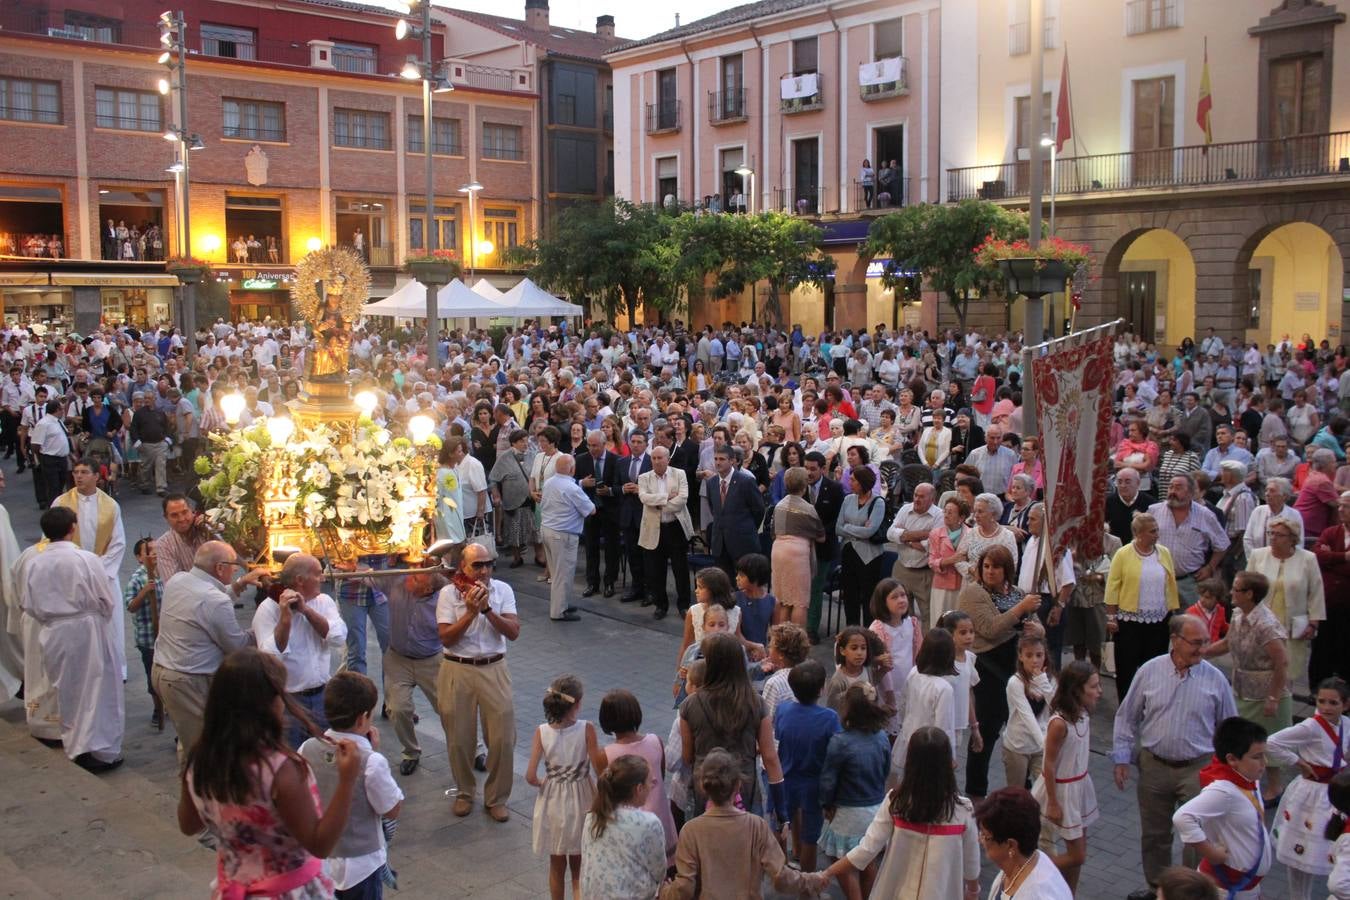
(1155,285)
(1293,281)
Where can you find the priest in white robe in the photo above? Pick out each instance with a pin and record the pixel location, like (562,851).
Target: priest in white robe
(67,596)
(11,612)
(101,533)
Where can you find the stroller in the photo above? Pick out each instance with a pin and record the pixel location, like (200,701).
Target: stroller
(101,453)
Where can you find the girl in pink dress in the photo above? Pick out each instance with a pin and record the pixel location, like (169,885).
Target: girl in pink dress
(255,796)
(621,716)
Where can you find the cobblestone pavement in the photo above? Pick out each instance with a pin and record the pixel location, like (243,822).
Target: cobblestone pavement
(65,833)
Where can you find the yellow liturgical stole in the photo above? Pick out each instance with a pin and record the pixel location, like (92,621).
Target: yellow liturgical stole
(107,517)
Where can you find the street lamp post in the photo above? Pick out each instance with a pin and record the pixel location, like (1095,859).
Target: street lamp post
(472,188)
(423,68)
(1047,141)
(748,173)
(173,40)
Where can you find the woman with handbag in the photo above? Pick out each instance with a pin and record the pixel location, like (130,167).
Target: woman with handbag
(511,494)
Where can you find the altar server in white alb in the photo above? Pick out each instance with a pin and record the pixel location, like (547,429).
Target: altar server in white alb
(66,592)
(11,612)
(101,533)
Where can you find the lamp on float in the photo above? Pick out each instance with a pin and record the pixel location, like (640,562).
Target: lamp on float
(280,429)
(232,405)
(314,244)
(366,401)
(420,428)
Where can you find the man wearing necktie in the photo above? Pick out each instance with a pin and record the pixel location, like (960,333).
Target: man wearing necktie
(597,472)
(52,443)
(737,508)
(630,515)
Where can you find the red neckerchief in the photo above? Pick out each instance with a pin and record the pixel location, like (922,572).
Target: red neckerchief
(1222,771)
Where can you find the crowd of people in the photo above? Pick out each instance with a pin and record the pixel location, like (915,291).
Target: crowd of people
(879,491)
(32,245)
(129,243)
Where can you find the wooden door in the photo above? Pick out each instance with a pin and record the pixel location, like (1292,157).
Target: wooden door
(1154,121)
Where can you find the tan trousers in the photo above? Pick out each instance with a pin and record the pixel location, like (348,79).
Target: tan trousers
(184,697)
(1161,790)
(401,675)
(919,585)
(467,695)
(1021,769)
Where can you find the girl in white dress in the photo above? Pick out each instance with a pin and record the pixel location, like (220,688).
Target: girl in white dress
(928,698)
(896,626)
(1065,792)
(570,751)
(1318,747)
(1338,792)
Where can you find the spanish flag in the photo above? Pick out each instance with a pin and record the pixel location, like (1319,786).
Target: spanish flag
(1206,104)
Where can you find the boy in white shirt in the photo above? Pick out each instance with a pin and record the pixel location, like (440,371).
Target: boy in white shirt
(1225,823)
(357,864)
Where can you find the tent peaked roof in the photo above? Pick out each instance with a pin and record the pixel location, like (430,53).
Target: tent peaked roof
(529,299)
(487,289)
(455,300)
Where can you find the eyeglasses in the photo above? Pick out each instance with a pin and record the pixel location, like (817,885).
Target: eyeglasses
(1196,644)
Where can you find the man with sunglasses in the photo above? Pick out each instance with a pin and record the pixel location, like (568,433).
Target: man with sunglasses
(197,629)
(475,623)
(1175,703)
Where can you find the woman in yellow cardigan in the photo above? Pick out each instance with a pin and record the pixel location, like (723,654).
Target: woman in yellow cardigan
(1141,593)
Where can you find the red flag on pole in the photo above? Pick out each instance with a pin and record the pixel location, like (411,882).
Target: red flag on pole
(1206,103)
(1063,109)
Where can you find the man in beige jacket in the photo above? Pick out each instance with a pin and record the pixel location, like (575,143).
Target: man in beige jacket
(665,530)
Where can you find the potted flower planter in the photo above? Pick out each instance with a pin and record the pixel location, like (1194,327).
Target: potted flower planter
(1034,276)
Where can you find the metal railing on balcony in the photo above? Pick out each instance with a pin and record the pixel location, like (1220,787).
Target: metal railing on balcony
(878,197)
(1143,16)
(489,77)
(727,106)
(802,201)
(1198,165)
(663,116)
(37,246)
(1019,36)
(357,61)
(790,105)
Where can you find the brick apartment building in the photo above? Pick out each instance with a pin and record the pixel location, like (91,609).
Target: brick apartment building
(309,136)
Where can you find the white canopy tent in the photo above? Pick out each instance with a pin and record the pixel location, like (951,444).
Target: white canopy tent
(455,300)
(487,289)
(529,300)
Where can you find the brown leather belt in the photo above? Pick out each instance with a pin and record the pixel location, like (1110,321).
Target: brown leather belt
(475,660)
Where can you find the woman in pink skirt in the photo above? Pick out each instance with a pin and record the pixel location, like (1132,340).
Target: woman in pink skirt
(797,529)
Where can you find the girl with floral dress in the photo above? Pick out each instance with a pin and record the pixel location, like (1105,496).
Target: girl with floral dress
(254,795)
(569,750)
(896,626)
(621,851)
(1065,792)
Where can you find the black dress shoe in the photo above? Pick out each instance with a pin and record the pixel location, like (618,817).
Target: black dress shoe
(567,617)
(629,598)
(480,763)
(591,591)
(571,609)
(647,601)
(659,614)
(609,590)
(409,766)
(54,743)
(87,762)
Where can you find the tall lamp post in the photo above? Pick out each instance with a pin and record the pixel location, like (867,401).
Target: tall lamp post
(1048,141)
(423,68)
(173,56)
(748,173)
(472,188)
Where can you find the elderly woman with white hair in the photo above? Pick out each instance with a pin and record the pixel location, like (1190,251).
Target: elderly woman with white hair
(1278,494)
(1296,594)
(987,531)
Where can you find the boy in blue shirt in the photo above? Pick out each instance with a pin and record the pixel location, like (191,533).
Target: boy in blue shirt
(803,731)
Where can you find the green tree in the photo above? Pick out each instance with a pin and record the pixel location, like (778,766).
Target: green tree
(725,254)
(937,242)
(617,253)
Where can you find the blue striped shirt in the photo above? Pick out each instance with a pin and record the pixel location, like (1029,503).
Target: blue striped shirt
(1173,714)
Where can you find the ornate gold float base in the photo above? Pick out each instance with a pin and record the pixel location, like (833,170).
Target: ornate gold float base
(325,402)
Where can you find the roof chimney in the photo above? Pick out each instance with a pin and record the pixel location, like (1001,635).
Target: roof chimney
(536,15)
(604,26)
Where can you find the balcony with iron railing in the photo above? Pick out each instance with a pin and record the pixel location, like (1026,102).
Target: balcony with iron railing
(809,201)
(1143,16)
(789,84)
(1019,36)
(879,198)
(663,116)
(727,107)
(1221,166)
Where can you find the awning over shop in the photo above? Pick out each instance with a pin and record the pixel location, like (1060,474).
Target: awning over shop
(101,279)
(23,279)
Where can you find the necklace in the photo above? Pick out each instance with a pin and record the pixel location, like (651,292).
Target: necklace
(994,534)
(1007,885)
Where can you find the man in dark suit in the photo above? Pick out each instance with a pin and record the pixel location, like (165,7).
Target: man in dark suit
(630,514)
(827,496)
(597,473)
(737,509)
(1122,503)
